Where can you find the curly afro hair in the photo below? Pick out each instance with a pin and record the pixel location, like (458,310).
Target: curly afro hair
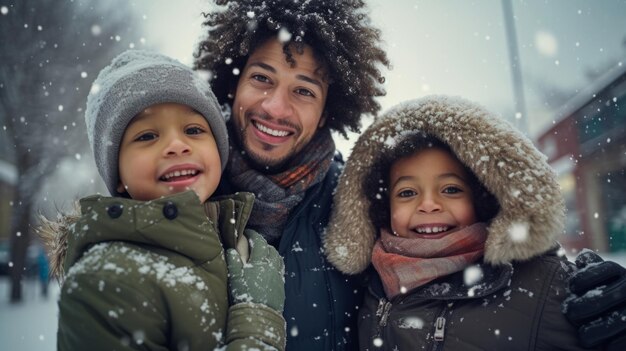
(376,184)
(339,31)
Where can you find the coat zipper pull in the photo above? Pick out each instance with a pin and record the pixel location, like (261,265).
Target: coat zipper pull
(383,312)
(381,306)
(386,310)
(440,326)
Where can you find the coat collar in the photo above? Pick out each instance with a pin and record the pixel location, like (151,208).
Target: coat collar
(145,223)
(453,287)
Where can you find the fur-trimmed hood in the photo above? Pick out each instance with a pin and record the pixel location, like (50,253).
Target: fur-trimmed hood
(505,162)
(54,235)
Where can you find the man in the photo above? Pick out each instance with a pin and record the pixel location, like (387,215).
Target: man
(289,72)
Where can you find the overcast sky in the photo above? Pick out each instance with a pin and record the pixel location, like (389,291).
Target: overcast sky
(457,47)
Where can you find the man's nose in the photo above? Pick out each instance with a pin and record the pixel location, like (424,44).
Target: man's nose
(276,103)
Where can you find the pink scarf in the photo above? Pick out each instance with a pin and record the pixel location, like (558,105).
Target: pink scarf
(404,264)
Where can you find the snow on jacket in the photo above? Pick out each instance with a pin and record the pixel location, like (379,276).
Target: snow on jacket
(152,276)
(321,303)
(516,305)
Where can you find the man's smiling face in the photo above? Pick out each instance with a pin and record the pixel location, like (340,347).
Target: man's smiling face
(278,108)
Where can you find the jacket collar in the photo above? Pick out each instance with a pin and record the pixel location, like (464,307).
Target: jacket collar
(142,223)
(453,287)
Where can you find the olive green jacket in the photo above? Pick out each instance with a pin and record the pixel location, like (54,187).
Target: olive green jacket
(152,276)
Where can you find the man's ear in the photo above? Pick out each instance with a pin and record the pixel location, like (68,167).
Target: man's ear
(232,89)
(121,188)
(322,120)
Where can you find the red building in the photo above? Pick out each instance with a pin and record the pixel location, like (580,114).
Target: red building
(587,147)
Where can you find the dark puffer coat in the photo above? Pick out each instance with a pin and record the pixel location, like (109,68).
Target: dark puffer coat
(516,304)
(321,303)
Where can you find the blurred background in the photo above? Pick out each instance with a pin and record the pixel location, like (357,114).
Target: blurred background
(555,69)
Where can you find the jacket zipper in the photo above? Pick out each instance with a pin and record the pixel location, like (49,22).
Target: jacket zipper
(440,328)
(382,312)
(333,313)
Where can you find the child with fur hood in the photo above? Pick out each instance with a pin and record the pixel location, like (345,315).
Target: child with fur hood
(458,213)
(146,268)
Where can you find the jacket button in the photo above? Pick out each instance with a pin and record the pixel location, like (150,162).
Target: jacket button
(170,211)
(115,210)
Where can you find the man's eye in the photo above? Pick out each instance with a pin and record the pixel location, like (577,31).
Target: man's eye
(406,193)
(194,131)
(305,92)
(146,137)
(260,78)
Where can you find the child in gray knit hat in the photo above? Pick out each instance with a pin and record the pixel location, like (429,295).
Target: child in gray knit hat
(145,267)
(138,84)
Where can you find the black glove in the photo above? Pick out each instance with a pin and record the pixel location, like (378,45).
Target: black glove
(597,303)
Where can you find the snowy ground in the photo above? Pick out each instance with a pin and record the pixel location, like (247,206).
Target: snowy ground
(32,324)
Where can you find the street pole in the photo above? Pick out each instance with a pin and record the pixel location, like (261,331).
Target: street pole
(520,117)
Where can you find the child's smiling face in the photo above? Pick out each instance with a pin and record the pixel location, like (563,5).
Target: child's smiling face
(429,195)
(167,149)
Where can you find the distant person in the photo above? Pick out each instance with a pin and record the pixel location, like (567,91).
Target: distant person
(459,215)
(146,268)
(43,270)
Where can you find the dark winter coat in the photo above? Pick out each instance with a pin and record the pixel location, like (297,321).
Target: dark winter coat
(517,307)
(516,304)
(321,303)
(152,276)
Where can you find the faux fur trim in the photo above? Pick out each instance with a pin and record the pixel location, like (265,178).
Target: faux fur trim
(505,161)
(54,235)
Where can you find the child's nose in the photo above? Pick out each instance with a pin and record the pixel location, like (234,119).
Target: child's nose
(176,146)
(428,205)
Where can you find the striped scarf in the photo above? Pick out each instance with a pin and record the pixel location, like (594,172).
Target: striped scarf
(277,194)
(404,264)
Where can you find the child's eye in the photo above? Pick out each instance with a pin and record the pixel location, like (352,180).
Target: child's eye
(146,137)
(406,193)
(452,190)
(194,131)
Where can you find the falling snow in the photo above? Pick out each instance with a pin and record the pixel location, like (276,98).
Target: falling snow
(472,275)
(546,43)
(518,232)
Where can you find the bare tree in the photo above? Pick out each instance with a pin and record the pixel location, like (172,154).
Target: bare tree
(51,50)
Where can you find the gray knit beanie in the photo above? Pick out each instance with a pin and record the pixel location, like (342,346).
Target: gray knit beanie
(134,81)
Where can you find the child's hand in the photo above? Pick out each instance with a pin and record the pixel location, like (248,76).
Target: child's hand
(597,301)
(261,279)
